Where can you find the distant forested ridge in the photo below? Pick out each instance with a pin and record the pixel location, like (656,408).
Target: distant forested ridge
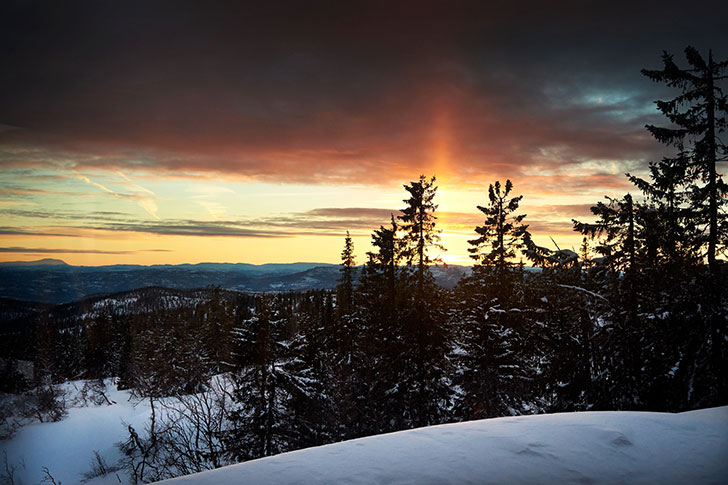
(62,283)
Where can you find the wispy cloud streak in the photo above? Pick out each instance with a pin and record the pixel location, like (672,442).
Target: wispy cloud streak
(145,202)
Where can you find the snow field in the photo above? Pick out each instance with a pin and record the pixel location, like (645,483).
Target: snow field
(588,447)
(66,447)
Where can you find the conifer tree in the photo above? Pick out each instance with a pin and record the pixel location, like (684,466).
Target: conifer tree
(627,241)
(346,283)
(258,393)
(502,232)
(344,347)
(418,227)
(308,375)
(378,339)
(423,346)
(584,252)
(677,237)
(386,259)
(46,336)
(491,321)
(617,225)
(698,114)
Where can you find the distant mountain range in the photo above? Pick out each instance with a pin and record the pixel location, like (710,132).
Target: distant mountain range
(40,262)
(54,281)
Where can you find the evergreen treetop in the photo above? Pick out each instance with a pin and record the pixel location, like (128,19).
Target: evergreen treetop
(346,286)
(698,118)
(502,232)
(418,223)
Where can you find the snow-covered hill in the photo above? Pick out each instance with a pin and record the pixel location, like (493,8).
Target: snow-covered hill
(590,447)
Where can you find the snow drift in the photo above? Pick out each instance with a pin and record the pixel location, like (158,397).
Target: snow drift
(589,447)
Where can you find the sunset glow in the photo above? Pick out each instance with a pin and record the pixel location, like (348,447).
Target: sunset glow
(226,135)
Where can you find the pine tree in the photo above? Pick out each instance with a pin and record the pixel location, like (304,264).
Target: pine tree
(309,373)
(487,353)
(376,371)
(45,368)
(257,420)
(568,314)
(341,339)
(346,284)
(502,232)
(699,116)
(675,234)
(418,227)
(650,294)
(423,342)
(617,226)
(385,261)
(584,253)
(491,321)
(216,324)
(620,228)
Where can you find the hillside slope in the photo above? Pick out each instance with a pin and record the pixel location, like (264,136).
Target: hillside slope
(590,447)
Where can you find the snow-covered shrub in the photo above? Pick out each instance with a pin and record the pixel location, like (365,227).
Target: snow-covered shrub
(99,467)
(49,403)
(93,392)
(185,434)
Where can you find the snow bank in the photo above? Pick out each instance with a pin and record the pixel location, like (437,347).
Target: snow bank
(593,447)
(590,447)
(66,447)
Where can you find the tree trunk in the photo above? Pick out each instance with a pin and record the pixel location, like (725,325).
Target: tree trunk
(712,185)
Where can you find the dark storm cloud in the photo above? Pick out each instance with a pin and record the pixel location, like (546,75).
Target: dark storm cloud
(327,92)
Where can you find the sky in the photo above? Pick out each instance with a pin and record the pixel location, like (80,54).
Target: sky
(185,132)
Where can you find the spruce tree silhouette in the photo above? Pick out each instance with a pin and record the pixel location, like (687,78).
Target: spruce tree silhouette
(346,283)
(502,232)
(699,116)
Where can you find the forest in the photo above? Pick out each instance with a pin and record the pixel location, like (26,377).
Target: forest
(636,320)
